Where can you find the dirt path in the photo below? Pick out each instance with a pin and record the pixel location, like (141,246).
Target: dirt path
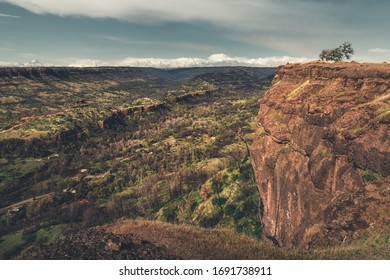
(11,128)
(23,202)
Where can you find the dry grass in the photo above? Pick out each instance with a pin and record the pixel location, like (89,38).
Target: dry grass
(295,93)
(189,242)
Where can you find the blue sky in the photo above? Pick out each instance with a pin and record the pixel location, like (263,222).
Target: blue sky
(175,33)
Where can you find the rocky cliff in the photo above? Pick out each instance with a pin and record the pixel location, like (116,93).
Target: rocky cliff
(321,154)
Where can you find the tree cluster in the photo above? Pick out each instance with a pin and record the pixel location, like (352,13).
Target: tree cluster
(337,54)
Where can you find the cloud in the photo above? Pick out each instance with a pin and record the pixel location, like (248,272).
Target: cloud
(7,15)
(4,63)
(294,27)
(213,60)
(166,44)
(239,15)
(140,10)
(33,63)
(379,50)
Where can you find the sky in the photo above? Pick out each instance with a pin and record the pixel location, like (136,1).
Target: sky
(187,33)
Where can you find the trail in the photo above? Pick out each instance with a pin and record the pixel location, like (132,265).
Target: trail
(23,202)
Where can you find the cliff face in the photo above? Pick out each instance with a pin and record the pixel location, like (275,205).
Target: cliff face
(321,154)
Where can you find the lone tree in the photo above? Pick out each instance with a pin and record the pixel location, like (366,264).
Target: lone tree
(337,54)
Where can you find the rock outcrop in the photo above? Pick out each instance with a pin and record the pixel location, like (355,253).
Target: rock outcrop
(321,154)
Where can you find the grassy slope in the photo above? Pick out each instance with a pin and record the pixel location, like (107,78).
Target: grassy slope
(11,243)
(191,242)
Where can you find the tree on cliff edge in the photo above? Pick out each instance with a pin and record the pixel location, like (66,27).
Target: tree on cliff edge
(337,54)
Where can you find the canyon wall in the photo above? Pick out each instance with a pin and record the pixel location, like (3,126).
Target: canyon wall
(321,153)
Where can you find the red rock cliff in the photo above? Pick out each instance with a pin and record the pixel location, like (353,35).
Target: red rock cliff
(321,154)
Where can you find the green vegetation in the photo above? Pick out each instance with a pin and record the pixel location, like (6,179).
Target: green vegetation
(371,177)
(383,113)
(144,102)
(11,244)
(227,200)
(356,131)
(337,54)
(50,234)
(88,157)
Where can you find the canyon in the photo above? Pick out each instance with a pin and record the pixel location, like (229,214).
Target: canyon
(116,156)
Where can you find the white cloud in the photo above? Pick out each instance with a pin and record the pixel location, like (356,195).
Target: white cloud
(7,15)
(213,60)
(182,62)
(141,10)
(33,63)
(3,63)
(239,15)
(379,50)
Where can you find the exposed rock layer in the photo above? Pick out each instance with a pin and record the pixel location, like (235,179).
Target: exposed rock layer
(321,152)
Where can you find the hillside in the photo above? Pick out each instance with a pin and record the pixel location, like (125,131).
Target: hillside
(140,239)
(321,153)
(81,147)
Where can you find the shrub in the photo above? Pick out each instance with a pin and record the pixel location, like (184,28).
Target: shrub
(371,177)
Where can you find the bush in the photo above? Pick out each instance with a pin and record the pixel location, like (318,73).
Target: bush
(371,177)
(169,213)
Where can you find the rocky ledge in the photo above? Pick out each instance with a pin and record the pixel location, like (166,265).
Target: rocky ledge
(321,153)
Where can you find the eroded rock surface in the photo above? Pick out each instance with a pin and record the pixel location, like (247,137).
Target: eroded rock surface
(321,154)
